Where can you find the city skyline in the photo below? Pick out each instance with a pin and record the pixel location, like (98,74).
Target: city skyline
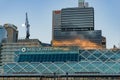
(40,17)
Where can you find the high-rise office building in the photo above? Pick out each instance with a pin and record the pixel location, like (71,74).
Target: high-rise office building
(77,19)
(12,32)
(56,22)
(75,27)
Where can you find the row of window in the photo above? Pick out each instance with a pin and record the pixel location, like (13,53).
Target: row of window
(63,57)
(60,78)
(47,57)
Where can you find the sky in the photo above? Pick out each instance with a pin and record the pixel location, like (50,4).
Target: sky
(107,17)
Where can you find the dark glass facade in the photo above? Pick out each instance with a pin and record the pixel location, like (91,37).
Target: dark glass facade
(93,36)
(48,57)
(75,27)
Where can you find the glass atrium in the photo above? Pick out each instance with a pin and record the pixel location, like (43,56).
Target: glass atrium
(74,64)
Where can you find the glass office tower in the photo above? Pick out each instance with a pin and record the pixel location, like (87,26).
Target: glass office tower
(77,19)
(56,22)
(75,27)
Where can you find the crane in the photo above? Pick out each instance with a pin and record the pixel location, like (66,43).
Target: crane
(27,27)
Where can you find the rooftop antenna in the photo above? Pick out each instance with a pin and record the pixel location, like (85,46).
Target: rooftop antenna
(27,27)
(82,4)
(81,0)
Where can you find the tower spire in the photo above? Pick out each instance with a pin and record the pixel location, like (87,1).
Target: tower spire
(27,27)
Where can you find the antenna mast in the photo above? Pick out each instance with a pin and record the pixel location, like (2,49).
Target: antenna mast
(82,4)
(27,27)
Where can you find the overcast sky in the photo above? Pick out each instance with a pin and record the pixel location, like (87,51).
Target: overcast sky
(107,17)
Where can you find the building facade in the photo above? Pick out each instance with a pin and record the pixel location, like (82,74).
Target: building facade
(3,34)
(3,38)
(77,19)
(75,27)
(12,33)
(56,22)
(64,63)
(9,49)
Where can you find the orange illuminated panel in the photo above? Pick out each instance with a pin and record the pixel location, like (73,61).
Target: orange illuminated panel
(84,44)
(57,12)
